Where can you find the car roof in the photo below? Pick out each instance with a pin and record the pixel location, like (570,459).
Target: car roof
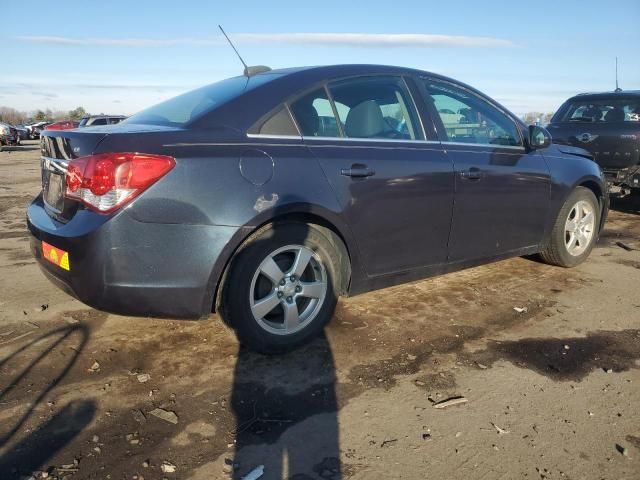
(606,95)
(330,71)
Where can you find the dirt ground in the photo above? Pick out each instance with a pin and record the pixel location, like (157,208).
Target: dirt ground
(552,392)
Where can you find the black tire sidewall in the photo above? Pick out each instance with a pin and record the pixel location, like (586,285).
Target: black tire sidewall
(558,235)
(235,307)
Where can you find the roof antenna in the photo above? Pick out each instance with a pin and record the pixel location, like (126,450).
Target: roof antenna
(618,89)
(248,71)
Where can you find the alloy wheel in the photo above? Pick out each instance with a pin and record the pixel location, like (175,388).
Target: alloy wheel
(579,228)
(288,289)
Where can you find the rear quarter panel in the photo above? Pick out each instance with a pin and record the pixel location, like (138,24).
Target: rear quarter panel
(237,182)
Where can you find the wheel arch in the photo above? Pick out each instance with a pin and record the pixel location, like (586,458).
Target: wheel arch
(600,191)
(324,222)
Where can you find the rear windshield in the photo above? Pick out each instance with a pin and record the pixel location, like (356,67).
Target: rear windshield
(190,106)
(603,110)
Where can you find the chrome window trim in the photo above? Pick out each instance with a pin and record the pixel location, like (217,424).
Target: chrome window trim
(482,98)
(276,137)
(265,135)
(374,140)
(485,145)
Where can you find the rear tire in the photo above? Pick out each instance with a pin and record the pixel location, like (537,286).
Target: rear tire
(282,287)
(575,231)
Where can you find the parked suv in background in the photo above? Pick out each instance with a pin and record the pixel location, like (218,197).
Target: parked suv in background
(95,120)
(608,126)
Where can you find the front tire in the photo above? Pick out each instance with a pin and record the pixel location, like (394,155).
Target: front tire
(281,289)
(575,231)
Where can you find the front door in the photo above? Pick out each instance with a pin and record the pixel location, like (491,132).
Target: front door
(395,188)
(501,188)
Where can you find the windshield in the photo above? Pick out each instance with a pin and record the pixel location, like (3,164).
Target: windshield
(604,110)
(190,106)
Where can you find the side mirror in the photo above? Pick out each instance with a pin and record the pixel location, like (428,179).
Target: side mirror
(539,137)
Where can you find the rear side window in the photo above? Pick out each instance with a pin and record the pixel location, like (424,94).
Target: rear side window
(468,118)
(279,123)
(314,115)
(603,110)
(376,107)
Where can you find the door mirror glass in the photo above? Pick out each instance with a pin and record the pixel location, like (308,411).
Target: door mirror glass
(539,137)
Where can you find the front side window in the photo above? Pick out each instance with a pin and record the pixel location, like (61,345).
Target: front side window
(467,118)
(604,110)
(314,114)
(376,107)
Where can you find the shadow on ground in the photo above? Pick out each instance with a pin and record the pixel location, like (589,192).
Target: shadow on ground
(567,358)
(22,454)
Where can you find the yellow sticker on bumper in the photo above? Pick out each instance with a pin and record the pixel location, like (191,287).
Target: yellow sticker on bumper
(56,256)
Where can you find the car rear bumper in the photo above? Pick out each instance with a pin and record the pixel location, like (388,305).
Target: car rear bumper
(120,265)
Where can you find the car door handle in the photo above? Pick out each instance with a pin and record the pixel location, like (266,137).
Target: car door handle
(474,173)
(357,171)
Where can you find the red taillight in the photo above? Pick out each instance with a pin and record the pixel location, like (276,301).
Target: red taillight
(107,181)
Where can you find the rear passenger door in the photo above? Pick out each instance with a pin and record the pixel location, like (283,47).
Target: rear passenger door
(395,186)
(501,187)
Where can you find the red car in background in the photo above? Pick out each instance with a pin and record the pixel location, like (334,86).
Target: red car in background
(62,125)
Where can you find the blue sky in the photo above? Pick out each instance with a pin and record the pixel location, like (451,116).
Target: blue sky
(121,56)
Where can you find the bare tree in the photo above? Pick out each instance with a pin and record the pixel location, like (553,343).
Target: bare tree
(12,116)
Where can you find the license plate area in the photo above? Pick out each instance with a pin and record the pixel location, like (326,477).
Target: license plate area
(53,191)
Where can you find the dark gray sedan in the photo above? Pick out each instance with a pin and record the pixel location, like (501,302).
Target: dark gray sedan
(268,196)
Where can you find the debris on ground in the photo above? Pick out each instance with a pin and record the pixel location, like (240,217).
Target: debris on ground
(138,416)
(501,431)
(427,437)
(625,246)
(143,377)
(521,309)
(255,473)
(622,450)
(94,368)
(449,402)
(389,441)
(166,415)
(167,467)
